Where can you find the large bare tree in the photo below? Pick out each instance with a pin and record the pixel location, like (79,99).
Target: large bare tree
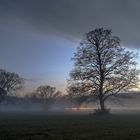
(9,82)
(103,67)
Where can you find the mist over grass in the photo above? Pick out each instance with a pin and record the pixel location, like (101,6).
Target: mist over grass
(63,105)
(23,119)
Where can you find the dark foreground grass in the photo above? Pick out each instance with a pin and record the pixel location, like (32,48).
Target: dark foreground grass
(23,126)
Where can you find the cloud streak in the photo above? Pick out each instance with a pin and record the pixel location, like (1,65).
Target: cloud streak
(75,17)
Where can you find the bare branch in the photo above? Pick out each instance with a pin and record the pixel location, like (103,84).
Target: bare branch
(103,64)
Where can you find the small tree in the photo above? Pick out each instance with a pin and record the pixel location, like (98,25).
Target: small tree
(45,92)
(103,67)
(9,82)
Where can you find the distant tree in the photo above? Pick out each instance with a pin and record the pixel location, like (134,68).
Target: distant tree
(58,94)
(46,92)
(103,67)
(9,83)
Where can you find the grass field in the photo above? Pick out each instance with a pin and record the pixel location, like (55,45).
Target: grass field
(36,126)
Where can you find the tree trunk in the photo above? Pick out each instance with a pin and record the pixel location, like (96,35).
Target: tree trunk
(101,80)
(102,106)
(101,99)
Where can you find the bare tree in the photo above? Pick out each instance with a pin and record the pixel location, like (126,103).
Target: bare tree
(46,92)
(9,82)
(103,67)
(47,95)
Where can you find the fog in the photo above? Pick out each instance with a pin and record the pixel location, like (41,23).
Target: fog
(130,104)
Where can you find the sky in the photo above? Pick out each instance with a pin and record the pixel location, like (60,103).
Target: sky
(38,37)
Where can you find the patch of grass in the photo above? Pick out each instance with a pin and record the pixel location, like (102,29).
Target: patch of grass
(69,127)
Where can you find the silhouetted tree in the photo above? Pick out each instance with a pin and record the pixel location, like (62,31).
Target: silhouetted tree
(58,94)
(45,92)
(9,82)
(103,67)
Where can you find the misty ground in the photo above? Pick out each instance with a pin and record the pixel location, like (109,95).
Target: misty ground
(66,126)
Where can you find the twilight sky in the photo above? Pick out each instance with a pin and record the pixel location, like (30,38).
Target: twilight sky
(38,37)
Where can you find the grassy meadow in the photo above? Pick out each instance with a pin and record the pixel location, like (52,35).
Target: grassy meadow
(39,126)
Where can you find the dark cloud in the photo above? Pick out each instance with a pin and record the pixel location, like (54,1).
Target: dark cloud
(75,17)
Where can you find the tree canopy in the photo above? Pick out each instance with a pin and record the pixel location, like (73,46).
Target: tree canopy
(46,92)
(9,82)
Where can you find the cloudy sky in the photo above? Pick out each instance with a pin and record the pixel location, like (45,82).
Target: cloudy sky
(38,37)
